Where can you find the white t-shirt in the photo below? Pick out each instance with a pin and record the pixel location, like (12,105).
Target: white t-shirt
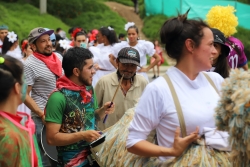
(143,47)
(156,109)
(16,53)
(101,56)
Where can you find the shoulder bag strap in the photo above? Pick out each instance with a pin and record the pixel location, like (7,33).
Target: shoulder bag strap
(211,82)
(177,106)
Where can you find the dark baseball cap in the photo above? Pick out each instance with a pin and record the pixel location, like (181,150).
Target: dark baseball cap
(220,38)
(37,32)
(129,55)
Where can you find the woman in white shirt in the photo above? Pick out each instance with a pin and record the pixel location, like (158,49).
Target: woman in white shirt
(106,38)
(144,48)
(190,43)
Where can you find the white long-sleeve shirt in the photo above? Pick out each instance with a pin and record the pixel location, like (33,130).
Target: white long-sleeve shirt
(156,109)
(143,47)
(101,57)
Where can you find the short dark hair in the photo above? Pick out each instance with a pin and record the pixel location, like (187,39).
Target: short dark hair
(11,71)
(58,29)
(177,30)
(75,58)
(121,35)
(70,31)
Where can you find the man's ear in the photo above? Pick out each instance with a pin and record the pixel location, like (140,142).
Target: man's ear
(33,47)
(190,45)
(117,61)
(76,72)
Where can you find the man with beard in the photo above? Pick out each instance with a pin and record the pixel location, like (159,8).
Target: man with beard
(130,90)
(41,70)
(72,110)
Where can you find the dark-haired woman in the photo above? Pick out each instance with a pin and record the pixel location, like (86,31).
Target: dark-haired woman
(80,38)
(220,62)
(10,46)
(106,38)
(191,44)
(17,129)
(144,48)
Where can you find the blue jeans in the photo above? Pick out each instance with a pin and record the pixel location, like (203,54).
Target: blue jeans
(39,125)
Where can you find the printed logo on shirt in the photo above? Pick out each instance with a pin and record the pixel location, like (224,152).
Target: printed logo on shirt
(233,60)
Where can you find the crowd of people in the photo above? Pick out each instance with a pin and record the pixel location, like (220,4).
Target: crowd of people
(70,85)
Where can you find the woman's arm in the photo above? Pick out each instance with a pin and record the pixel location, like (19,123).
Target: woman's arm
(147,149)
(245,67)
(31,104)
(157,59)
(112,60)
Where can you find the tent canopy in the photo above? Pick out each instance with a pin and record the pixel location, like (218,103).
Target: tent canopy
(198,8)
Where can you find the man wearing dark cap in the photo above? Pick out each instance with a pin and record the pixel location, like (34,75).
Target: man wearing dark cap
(130,90)
(3,34)
(41,70)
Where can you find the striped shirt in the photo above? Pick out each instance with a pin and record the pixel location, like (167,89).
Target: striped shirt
(42,80)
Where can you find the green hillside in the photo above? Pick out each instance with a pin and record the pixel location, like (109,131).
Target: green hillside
(24,15)
(21,18)
(88,14)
